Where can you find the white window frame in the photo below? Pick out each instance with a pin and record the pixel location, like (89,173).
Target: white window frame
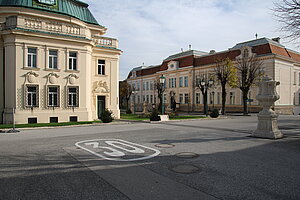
(186,98)
(52,58)
(52,95)
(36,93)
(72,95)
(198,98)
(181,81)
(101,67)
(186,81)
(31,57)
(73,61)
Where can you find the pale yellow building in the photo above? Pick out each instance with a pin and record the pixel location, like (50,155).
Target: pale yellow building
(55,64)
(181,71)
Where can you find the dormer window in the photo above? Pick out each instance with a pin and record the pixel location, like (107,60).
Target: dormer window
(173,65)
(246,53)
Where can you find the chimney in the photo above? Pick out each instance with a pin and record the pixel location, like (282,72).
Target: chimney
(181,49)
(277,39)
(190,47)
(212,51)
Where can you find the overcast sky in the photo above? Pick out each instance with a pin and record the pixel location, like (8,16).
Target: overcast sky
(150,30)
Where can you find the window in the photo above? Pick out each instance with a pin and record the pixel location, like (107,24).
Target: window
(138,87)
(72,61)
(53,59)
(73,119)
(144,86)
(32,120)
(101,67)
(218,98)
(151,98)
(180,81)
(147,85)
(32,52)
(138,99)
(53,96)
(186,81)
(180,98)
(172,82)
(51,2)
(197,98)
(147,98)
(151,85)
(73,96)
(32,96)
(186,98)
(232,98)
(246,53)
(299,79)
(53,119)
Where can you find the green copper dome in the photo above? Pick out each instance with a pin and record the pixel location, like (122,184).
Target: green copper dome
(74,8)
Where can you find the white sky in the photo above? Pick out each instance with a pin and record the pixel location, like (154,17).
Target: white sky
(150,30)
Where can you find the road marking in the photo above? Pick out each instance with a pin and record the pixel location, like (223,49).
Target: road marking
(117,150)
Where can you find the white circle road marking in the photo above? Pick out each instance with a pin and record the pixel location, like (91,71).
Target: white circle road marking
(136,149)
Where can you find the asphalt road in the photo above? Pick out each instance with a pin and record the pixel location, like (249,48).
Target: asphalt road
(46,164)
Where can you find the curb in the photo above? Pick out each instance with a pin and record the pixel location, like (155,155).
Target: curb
(70,126)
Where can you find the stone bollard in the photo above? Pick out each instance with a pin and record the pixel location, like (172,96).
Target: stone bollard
(267,126)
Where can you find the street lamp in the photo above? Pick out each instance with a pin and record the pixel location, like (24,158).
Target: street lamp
(162,80)
(205,84)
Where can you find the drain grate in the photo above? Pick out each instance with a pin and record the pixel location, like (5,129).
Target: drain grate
(165,145)
(186,155)
(185,169)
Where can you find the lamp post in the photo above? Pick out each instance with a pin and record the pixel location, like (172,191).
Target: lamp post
(162,80)
(204,85)
(213,99)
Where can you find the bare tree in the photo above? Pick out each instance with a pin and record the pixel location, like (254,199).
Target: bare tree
(225,72)
(249,70)
(125,92)
(288,14)
(204,82)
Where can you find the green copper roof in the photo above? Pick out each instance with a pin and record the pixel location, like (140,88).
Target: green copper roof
(74,8)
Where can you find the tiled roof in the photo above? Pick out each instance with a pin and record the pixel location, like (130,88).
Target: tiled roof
(74,8)
(261,47)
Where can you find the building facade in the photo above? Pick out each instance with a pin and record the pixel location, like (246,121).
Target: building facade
(181,71)
(55,64)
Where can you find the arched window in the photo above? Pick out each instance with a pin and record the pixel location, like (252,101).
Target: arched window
(246,53)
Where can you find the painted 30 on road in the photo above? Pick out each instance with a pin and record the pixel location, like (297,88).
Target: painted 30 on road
(117,150)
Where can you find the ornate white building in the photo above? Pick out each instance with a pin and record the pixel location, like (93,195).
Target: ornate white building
(55,64)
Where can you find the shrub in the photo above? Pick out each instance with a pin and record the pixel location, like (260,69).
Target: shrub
(171,115)
(214,113)
(154,115)
(128,111)
(106,116)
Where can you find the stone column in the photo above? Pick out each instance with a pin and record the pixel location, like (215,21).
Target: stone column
(267,126)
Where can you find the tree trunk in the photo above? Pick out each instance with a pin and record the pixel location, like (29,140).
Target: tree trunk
(245,103)
(223,99)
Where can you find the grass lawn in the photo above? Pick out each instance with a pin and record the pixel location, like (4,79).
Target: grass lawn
(2,126)
(139,118)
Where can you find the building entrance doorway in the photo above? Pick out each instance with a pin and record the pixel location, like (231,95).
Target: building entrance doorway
(100,105)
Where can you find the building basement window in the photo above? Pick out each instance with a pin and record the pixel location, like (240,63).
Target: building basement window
(53,119)
(73,119)
(32,120)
